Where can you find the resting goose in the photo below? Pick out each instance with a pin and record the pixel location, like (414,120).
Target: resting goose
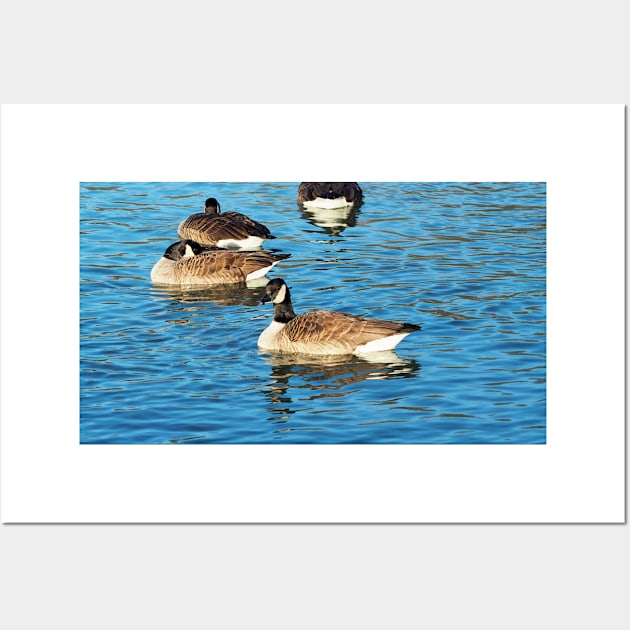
(188,263)
(324,332)
(329,194)
(229,229)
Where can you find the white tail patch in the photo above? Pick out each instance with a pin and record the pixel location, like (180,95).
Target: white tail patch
(378,345)
(259,273)
(320,202)
(254,275)
(251,242)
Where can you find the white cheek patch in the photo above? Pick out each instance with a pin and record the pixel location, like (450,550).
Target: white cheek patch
(281,295)
(189,252)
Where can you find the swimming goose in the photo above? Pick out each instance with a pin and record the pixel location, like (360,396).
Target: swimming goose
(324,332)
(188,263)
(329,194)
(228,229)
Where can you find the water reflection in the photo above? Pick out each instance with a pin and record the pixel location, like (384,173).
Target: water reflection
(248,293)
(297,378)
(332,220)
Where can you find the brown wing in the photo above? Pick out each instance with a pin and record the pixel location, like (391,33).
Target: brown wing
(224,265)
(352,192)
(212,267)
(306,191)
(333,326)
(253,261)
(207,229)
(253,227)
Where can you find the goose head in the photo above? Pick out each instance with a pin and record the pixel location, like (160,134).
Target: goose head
(276,291)
(212,206)
(183,249)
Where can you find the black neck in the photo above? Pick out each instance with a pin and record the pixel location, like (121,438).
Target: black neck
(283,312)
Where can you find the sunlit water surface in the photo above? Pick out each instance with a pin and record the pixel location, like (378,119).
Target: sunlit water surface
(466,261)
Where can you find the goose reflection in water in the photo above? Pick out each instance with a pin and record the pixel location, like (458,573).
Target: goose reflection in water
(248,293)
(332,220)
(298,378)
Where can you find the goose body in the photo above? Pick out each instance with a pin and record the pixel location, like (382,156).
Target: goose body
(188,263)
(325,332)
(329,195)
(227,230)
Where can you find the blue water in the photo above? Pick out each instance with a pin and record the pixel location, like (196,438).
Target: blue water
(466,261)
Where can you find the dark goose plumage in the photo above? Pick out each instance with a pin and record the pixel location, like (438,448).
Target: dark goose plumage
(329,193)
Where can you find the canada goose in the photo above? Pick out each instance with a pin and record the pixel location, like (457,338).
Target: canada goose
(329,194)
(229,229)
(188,263)
(324,332)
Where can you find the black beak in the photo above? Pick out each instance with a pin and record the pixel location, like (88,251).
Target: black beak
(265,298)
